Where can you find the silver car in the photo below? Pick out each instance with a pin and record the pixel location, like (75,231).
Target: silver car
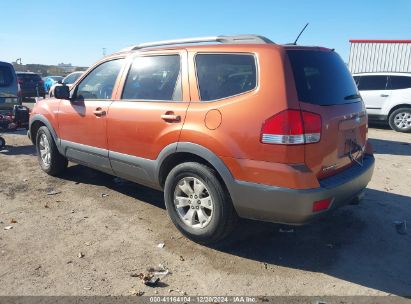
(69,80)
(9,88)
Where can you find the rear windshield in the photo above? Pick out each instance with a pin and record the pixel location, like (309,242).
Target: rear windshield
(322,78)
(33,77)
(6,77)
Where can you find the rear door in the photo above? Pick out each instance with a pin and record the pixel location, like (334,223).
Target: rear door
(374,91)
(326,87)
(148,113)
(400,87)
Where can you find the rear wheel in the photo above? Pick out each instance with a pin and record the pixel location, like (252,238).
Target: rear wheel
(400,120)
(198,203)
(50,159)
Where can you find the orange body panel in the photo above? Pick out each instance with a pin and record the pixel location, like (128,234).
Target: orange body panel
(77,122)
(136,127)
(229,127)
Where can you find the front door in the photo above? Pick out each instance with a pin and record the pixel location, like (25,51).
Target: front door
(148,113)
(83,120)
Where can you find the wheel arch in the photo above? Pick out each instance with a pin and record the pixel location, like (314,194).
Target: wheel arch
(190,152)
(38,121)
(404,105)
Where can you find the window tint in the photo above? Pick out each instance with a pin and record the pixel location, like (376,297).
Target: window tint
(357,80)
(400,82)
(369,83)
(99,83)
(29,77)
(154,78)
(6,77)
(223,75)
(322,78)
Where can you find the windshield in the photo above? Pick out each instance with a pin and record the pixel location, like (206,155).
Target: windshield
(69,79)
(322,78)
(56,78)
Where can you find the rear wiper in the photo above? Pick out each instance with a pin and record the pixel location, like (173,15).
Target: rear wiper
(353,96)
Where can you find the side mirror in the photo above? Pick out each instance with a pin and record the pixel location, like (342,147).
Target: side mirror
(62,92)
(60,82)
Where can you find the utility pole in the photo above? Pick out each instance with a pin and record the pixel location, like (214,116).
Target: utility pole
(18,61)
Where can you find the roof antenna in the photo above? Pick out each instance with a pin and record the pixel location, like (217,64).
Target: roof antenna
(295,42)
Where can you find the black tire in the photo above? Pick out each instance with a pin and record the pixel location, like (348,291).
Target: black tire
(58,163)
(402,128)
(224,217)
(2,142)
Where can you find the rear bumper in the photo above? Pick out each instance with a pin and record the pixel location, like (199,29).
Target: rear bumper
(291,206)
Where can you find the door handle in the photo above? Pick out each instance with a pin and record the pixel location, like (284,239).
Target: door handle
(99,112)
(384,95)
(170,116)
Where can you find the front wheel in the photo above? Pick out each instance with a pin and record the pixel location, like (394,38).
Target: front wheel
(50,159)
(198,204)
(400,120)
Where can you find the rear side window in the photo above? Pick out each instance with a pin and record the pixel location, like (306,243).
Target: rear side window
(6,77)
(99,83)
(154,78)
(372,83)
(322,78)
(400,82)
(224,75)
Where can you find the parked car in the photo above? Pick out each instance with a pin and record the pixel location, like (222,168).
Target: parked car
(50,81)
(244,128)
(9,88)
(69,80)
(31,85)
(387,97)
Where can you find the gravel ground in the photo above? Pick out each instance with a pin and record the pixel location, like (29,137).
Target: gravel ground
(356,251)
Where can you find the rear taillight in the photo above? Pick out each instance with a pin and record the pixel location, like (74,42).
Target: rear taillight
(292,127)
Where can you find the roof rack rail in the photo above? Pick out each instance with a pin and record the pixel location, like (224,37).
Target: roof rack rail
(247,39)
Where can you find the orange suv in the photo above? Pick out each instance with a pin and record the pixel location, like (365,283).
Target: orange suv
(241,127)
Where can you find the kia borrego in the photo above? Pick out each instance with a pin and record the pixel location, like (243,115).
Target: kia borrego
(238,127)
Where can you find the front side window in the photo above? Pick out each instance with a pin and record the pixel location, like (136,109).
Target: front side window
(154,78)
(372,83)
(99,83)
(224,75)
(400,82)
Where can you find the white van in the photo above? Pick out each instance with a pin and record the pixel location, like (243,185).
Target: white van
(387,97)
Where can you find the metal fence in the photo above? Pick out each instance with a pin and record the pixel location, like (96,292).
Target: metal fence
(380,56)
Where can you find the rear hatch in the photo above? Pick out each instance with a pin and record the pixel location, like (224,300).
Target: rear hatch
(30,82)
(325,87)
